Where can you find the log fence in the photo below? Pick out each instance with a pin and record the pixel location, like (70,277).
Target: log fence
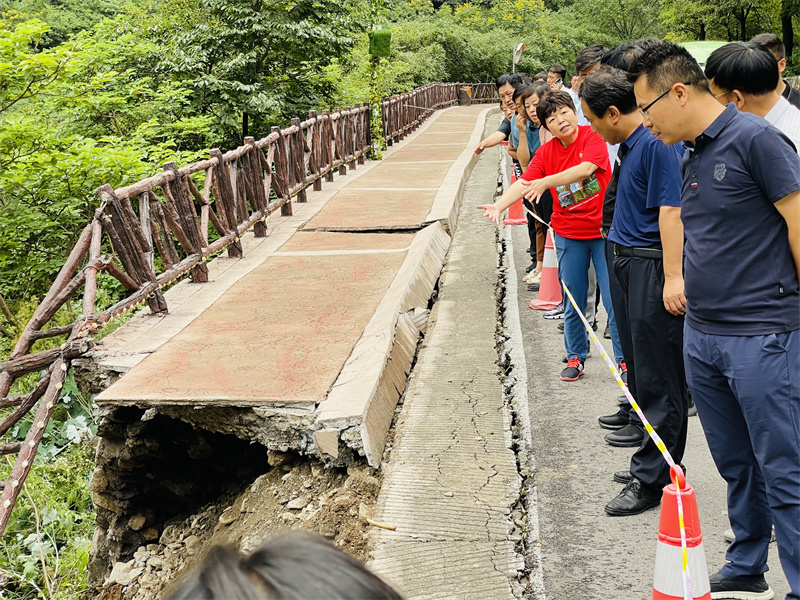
(167,226)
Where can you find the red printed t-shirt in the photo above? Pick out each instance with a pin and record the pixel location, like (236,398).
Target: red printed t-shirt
(578,207)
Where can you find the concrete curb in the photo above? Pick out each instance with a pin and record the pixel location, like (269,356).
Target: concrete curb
(452,483)
(373,378)
(448,198)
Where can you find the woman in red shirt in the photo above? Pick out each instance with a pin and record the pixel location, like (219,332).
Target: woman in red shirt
(574,166)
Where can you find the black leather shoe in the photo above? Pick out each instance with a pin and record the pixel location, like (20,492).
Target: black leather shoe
(623,477)
(692,408)
(630,436)
(616,421)
(634,499)
(754,587)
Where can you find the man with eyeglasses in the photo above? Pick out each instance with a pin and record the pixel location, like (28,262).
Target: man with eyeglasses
(505,88)
(748,76)
(740,206)
(647,238)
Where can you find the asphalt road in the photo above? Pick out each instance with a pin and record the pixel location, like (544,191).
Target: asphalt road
(585,553)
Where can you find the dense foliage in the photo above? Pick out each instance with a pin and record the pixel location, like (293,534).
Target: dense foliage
(105,91)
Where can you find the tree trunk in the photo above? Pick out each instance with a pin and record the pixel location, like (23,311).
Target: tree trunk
(702,31)
(788,8)
(245,133)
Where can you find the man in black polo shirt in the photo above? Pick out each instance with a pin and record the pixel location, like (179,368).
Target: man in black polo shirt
(647,237)
(740,206)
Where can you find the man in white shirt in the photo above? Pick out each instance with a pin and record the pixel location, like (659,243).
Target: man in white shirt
(748,76)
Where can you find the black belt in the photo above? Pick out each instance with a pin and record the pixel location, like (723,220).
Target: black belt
(638,252)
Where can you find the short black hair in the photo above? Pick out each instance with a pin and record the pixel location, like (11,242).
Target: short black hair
(666,64)
(749,68)
(511,79)
(294,566)
(518,91)
(771,42)
(588,56)
(559,70)
(540,75)
(551,102)
(607,87)
(623,56)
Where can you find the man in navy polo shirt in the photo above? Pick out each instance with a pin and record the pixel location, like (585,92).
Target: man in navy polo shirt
(740,206)
(648,250)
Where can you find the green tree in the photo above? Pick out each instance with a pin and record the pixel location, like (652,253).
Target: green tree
(252,63)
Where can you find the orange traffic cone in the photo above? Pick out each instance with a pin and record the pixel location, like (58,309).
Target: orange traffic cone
(549,287)
(668,579)
(516,212)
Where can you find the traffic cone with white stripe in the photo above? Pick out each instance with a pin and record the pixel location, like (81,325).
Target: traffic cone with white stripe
(549,286)
(668,581)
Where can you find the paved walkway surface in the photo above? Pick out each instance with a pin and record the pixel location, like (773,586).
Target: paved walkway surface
(301,310)
(585,553)
(452,479)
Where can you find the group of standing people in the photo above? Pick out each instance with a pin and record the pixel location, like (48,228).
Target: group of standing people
(682,188)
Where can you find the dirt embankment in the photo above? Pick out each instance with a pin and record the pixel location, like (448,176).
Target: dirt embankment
(294,494)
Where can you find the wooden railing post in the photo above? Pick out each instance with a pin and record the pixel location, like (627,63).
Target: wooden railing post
(256,180)
(281,179)
(223,193)
(297,144)
(314,140)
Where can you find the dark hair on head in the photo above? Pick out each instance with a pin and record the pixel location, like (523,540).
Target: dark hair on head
(518,91)
(748,68)
(559,70)
(540,76)
(623,56)
(589,56)
(608,87)
(771,42)
(293,567)
(551,102)
(666,64)
(540,89)
(511,79)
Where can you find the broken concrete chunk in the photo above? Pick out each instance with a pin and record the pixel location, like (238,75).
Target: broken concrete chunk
(327,441)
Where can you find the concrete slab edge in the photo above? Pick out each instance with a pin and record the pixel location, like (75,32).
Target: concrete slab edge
(448,198)
(374,376)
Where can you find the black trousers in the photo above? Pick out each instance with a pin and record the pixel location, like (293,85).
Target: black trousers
(531,230)
(623,329)
(655,366)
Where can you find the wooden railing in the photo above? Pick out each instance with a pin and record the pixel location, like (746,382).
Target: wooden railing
(403,113)
(170,224)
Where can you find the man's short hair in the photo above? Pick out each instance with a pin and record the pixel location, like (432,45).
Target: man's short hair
(749,68)
(666,64)
(771,42)
(551,102)
(540,75)
(589,56)
(607,87)
(511,79)
(559,70)
(623,56)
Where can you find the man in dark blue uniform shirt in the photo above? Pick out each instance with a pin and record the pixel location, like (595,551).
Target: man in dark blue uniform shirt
(648,249)
(740,206)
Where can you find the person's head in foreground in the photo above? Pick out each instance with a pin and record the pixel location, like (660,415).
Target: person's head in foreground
(293,567)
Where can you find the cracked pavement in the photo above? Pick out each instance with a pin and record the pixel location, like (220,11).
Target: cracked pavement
(452,481)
